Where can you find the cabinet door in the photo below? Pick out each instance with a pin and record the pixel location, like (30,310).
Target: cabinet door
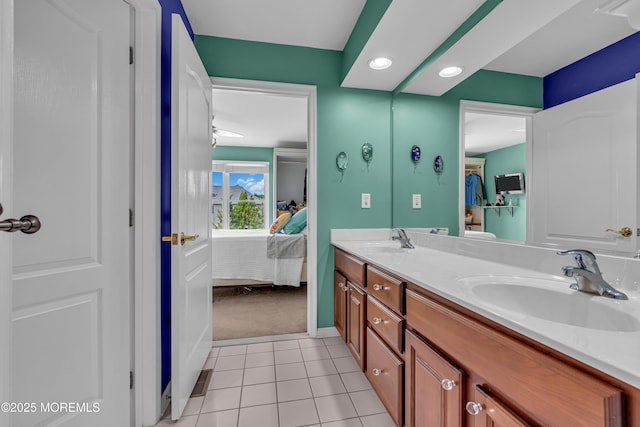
(356,322)
(340,304)
(385,373)
(486,410)
(433,386)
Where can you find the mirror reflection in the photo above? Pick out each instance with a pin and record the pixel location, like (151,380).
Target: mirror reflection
(494,146)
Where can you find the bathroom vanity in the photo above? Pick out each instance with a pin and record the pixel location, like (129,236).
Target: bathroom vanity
(428,330)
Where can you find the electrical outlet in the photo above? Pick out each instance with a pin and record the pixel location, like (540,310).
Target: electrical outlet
(416,201)
(366,201)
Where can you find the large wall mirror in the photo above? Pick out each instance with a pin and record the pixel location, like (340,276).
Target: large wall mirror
(495,140)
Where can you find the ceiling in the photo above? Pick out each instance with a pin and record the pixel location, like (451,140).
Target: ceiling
(489,132)
(421,36)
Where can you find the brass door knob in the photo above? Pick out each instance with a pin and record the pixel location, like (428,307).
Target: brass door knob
(624,231)
(184,238)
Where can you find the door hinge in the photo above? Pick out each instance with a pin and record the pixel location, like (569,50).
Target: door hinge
(130,217)
(130,380)
(130,54)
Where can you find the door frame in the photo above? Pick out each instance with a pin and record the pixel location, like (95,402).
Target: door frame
(496,109)
(146,171)
(6,145)
(310,93)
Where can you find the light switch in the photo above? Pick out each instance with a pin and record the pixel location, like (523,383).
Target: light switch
(366,200)
(416,202)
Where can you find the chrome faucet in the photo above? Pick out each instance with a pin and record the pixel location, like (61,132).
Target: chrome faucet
(402,236)
(588,276)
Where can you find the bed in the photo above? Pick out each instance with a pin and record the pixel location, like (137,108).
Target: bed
(241,257)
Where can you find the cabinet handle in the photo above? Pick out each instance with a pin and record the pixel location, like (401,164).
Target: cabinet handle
(377,320)
(341,285)
(376,371)
(378,287)
(447,384)
(474,408)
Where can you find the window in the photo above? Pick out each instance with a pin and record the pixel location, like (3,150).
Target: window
(239,195)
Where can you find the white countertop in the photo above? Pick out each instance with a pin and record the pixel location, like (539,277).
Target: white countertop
(452,276)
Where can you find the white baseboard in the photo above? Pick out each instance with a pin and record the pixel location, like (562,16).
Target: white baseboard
(165,399)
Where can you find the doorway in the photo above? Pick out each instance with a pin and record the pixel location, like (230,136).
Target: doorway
(288,153)
(495,140)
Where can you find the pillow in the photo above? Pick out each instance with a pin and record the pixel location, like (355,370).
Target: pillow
(297,223)
(280,222)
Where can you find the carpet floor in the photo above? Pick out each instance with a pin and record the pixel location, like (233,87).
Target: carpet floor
(261,311)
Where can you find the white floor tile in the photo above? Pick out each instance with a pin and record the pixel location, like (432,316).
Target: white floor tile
(297,413)
(285,345)
(315,353)
(259,359)
(288,356)
(378,420)
(227,363)
(351,422)
(346,364)
(293,390)
(220,400)
(260,375)
(367,403)
(259,347)
(210,363)
(319,368)
(259,394)
(214,352)
(335,408)
(187,421)
(340,350)
(219,419)
(355,381)
(263,416)
(311,342)
(290,371)
(333,341)
(233,350)
(226,379)
(326,385)
(193,406)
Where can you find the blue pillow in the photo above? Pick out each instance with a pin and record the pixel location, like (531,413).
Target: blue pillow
(297,223)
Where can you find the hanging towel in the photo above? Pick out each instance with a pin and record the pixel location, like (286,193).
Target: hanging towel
(470,184)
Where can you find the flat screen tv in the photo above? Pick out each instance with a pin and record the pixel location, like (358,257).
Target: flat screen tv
(512,183)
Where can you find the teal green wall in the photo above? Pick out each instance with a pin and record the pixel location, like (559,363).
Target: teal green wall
(347,118)
(248,154)
(499,162)
(433,124)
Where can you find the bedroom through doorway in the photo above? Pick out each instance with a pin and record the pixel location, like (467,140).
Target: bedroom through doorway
(260,213)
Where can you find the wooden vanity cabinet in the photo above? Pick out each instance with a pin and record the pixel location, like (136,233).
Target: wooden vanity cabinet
(485,410)
(356,323)
(385,372)
(340,290)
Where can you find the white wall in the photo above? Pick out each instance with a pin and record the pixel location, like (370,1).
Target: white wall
(290,185)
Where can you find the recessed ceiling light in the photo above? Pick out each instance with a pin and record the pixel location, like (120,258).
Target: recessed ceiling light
(450,71)
(380,63)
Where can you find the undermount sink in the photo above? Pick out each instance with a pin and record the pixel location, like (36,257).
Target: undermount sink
(524,297)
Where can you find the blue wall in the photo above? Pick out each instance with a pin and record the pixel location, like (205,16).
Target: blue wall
(169,7)
(614,64)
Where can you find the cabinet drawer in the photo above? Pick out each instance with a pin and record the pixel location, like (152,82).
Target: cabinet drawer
(388,325)
(538,386)
(350,266)
(386,288)
(385,372)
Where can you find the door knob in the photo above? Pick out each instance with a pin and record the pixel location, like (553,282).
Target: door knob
(624,231)
(28,224)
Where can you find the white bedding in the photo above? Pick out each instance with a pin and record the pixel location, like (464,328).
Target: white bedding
(242,254)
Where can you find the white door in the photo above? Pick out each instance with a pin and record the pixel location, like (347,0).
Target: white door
(190,219)
(584,171)
(70,313)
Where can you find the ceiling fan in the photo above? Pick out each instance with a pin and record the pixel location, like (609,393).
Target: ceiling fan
(217,132)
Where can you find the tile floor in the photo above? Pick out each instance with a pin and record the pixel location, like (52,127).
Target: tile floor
(305,382)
